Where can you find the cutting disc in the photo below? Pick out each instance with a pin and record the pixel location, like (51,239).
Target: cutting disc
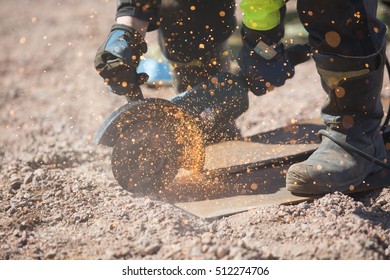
(144,159)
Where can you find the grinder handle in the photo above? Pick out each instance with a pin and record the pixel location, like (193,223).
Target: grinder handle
(299,53)
(136,94)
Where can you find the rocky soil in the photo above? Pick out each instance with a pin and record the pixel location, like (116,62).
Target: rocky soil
(59,200)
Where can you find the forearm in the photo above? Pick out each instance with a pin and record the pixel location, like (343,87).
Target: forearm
(142,10)
(140,25)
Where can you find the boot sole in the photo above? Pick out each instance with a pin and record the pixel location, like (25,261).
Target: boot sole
(357,185)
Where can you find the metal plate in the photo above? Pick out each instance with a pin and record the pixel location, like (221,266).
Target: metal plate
(231,188)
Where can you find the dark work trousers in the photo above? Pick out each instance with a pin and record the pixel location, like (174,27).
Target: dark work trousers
(342,27)
(191,29)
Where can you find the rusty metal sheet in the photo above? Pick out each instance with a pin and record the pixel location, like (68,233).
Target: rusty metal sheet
(226,187)
(265,192)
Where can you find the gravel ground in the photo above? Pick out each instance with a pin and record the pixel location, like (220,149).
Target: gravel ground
(59,200)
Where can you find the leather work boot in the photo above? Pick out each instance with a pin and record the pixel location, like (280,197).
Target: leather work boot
(352,114)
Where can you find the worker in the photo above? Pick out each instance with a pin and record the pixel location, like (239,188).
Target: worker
(348,46)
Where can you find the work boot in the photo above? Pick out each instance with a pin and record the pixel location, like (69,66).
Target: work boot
(352,114)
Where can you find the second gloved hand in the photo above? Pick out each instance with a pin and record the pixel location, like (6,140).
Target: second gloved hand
(118,58)
(266,65)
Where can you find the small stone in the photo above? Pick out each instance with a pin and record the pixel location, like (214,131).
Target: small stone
(15,185)
(241,243)
(332,214)
(222,252)
(304,205)
(304,227)
(152,249)
(149,204)
(15,182)
(234,252)
(21,204)
(23,225)
(35,197)
(213,226)
(382,202)
(206,238)
(316,230)
(75,187)
(84,157)
(51,254)
(195,251)
(57,217)
(28,178)
(26,169)
(39,174)
(46,195)
(21,242)
(16,232)
(11,210)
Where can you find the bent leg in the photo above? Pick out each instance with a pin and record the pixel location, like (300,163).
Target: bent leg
(348,44)
(193,36)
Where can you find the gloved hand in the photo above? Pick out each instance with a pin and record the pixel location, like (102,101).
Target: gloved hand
(265,66)
(117,60)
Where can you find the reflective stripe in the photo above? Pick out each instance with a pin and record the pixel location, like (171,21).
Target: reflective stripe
(267,52)
(333,78)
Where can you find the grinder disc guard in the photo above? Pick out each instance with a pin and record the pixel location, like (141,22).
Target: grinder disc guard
(151,139)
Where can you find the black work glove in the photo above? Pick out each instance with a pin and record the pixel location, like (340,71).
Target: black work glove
(266,64)
(118,58)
